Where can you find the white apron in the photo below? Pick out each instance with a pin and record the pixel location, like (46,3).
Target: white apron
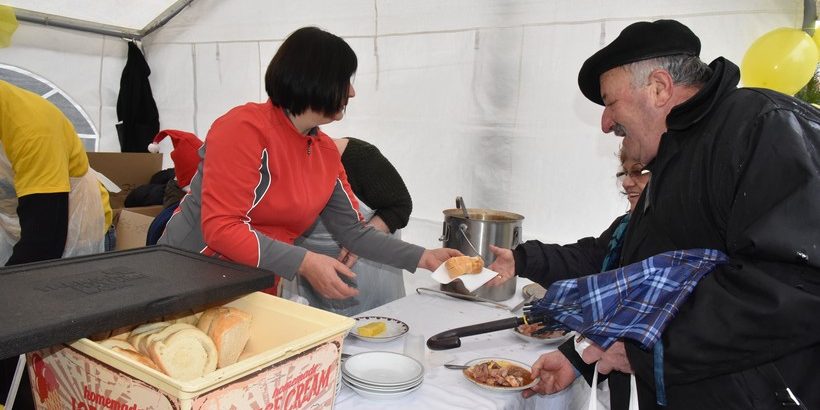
(86,216)
(377,283)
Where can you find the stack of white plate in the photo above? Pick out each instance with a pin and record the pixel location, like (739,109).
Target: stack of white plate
(382,375)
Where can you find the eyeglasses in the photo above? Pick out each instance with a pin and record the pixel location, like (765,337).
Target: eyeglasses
(634,172)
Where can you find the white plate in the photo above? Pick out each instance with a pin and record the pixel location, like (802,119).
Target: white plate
(381,395)
(544,340)
(382,368)
(395,328)
(381,385)
(502,362)
(472,281)
(383,389)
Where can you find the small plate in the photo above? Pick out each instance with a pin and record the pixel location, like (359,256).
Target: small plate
(502,362)
(544,340)
(471,281)
(395,328)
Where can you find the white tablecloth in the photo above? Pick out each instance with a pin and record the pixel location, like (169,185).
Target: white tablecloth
(429,314)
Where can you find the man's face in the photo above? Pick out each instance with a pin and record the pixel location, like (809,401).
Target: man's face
(629,113)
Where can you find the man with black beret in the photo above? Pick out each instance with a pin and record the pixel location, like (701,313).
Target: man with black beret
(733,169)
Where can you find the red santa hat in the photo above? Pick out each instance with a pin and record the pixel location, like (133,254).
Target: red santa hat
(185,154)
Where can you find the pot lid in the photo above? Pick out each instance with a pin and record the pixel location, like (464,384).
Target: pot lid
(482,214)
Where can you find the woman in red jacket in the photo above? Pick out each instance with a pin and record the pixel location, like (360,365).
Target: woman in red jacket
(268,171)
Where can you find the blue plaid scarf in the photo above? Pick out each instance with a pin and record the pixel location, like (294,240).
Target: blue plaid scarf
(634,302)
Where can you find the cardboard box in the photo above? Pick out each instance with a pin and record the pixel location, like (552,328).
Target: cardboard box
(290,362)
(126,169)
(132,225)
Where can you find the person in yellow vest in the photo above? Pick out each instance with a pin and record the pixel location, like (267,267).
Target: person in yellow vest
(51,203)
(51,206)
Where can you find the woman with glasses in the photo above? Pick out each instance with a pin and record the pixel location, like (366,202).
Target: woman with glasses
(546,263)
(268,172)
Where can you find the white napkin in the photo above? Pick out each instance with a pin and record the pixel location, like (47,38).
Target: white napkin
(472,281)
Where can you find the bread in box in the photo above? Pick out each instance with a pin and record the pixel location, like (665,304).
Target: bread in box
(181,350)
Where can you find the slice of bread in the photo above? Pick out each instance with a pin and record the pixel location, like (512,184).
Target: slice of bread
(151,337)
(205,319)
(461,265)
(122,333)
(137,357)
(185,355)
(188,317)
(118,343)
(141,332)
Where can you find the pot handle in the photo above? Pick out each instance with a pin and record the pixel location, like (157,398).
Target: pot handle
(445,233)
(516,239)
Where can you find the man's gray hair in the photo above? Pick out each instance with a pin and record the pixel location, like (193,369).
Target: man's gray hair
(684,69)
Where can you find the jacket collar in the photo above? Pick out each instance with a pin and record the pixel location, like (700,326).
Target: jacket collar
(725,76)
(280,115)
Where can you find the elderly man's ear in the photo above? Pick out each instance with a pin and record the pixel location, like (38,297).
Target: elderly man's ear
(660,87)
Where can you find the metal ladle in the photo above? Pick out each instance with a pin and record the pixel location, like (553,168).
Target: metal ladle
(460,205)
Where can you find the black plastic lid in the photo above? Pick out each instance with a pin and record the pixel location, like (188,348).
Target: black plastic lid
(52,302)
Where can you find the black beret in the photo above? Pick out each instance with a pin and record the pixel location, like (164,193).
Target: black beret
(638,41)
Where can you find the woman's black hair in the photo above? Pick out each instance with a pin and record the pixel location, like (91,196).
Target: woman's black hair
(312,69)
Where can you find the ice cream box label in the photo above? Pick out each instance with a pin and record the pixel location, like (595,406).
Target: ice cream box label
(64,378)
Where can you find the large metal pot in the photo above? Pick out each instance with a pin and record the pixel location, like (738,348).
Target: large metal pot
(482,228)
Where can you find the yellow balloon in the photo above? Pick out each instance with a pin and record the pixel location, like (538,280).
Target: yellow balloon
(783,60)
(8,24)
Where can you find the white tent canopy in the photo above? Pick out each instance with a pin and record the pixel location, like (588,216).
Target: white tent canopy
(476,98)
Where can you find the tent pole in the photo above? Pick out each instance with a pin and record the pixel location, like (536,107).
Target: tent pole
(98,28)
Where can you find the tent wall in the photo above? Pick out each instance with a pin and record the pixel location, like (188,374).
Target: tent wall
(476,98)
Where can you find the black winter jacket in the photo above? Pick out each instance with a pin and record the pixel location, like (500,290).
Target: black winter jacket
(739,171)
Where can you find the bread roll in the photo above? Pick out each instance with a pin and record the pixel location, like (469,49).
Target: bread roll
(460,265)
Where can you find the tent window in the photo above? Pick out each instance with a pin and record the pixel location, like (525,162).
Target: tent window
(39,85)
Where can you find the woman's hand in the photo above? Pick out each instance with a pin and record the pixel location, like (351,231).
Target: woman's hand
(347,257)
(555,373)
(504,265)
(323,274)
(431,259)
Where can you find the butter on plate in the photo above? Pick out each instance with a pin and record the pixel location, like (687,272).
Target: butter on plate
(372,329)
